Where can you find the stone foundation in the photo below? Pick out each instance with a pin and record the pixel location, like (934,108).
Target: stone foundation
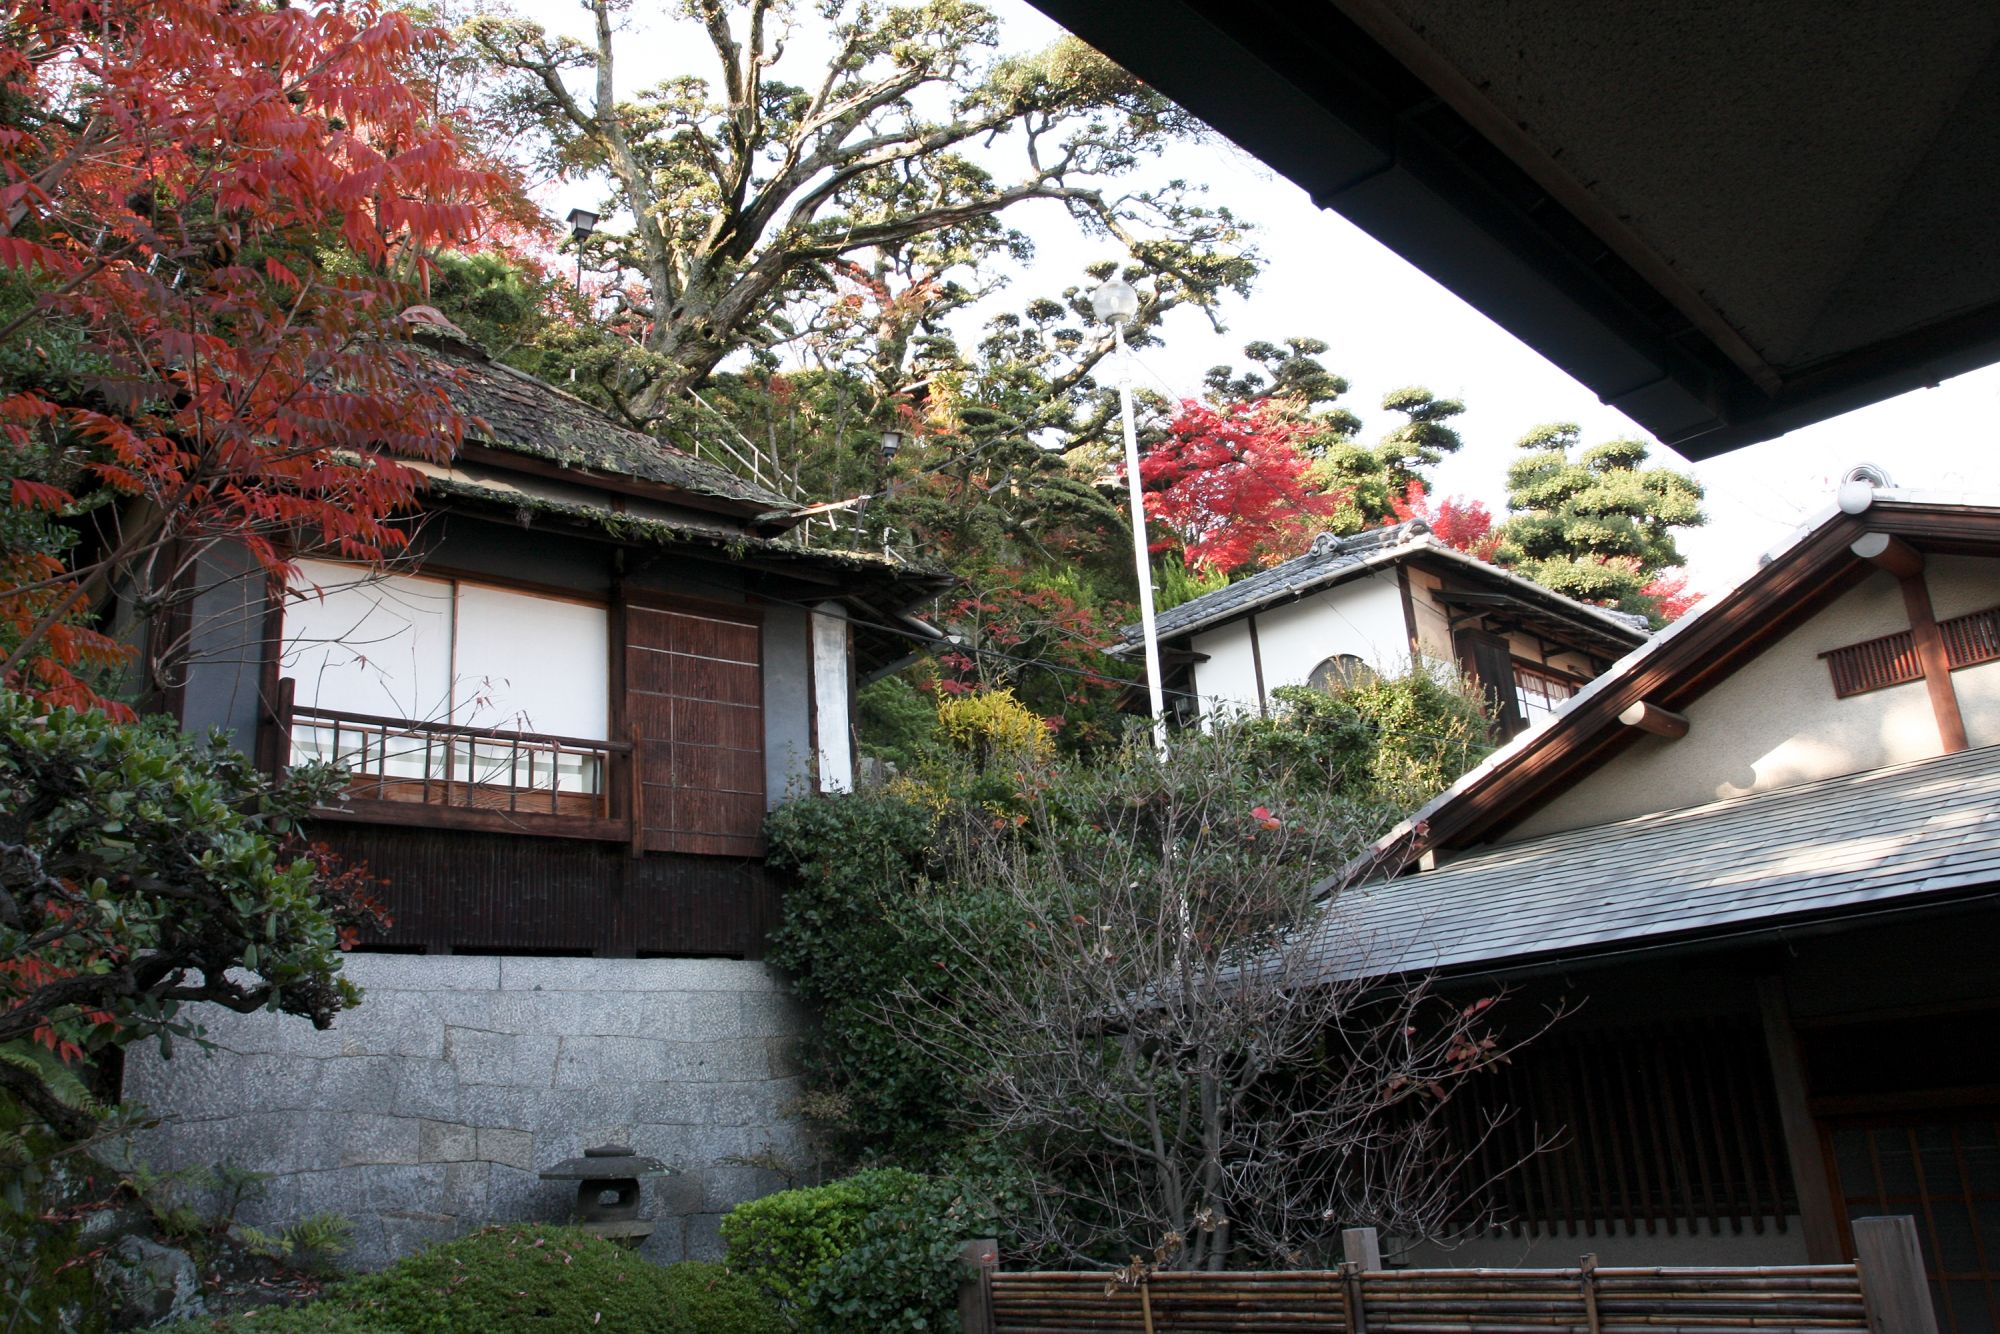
(429,1109)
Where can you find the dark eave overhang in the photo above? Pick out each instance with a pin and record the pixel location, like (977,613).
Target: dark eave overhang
(1377,135)
(767,521)
(1797,585)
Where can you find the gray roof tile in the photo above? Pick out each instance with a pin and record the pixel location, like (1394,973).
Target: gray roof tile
(1330,559)
(1839,844)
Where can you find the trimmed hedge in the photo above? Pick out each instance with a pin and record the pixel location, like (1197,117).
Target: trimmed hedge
(874,1253)
(523,1280)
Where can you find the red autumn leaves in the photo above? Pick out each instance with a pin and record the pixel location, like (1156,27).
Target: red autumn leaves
(1232,485)
(170,208)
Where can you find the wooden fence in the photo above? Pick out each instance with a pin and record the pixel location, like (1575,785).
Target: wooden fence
(1884,1293)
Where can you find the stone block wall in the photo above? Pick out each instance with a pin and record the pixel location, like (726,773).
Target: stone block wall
(430,1109)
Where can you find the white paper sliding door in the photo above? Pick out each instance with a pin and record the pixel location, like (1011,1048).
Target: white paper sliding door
(362,643)
(532,664)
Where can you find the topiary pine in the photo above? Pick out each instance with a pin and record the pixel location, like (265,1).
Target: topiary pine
(1598,525)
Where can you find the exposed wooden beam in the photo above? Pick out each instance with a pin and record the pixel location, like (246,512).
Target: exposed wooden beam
(1889,553)
(1650,717)
(1257,666)
(1811,1179)
(1935,658)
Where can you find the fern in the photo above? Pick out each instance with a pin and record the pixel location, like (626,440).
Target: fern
(61,1082)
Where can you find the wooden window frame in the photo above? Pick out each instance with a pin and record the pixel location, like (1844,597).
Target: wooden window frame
(1547,673)
(615,825)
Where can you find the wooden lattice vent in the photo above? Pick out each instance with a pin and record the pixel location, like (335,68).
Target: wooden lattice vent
(1891,660)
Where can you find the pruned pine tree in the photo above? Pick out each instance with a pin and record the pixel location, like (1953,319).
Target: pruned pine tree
(1596,525)
(1375,477)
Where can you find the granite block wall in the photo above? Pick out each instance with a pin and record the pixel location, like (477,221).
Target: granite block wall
(430,1109)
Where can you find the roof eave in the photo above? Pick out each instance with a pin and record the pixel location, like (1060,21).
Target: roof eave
(494,454)
(1681,664)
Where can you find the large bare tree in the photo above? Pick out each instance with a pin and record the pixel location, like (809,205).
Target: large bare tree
(1197,1057)
(746,191)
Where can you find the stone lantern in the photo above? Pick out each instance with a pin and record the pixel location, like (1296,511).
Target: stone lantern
(607,1191)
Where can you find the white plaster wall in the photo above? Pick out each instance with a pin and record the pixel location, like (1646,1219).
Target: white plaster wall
(1776,722)
(1363,616)
(431,1108)
(1614,1248)
(1228,680)
(831,693)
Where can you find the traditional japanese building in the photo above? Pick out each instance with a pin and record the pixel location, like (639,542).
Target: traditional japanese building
(1756,868)
(1376,601)
(564,715)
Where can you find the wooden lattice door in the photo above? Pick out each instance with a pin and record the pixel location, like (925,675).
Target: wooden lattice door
(1944,1170)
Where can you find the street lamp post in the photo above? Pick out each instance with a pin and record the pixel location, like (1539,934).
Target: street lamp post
(1115,303)
(582,222)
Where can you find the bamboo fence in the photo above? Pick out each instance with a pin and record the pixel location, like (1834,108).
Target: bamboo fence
(1806,1299)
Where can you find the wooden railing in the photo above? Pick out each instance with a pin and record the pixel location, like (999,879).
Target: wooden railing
(1884,1293)
(450,765)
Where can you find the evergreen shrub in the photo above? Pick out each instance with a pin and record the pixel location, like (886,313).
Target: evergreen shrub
(874,1253)
(538,1280)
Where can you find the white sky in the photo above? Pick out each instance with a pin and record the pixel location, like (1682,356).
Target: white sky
(1388,325)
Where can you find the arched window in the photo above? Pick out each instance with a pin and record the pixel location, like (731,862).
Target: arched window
(1340,672)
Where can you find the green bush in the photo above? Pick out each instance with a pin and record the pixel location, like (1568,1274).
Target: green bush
(321,1317)
(786,1240)
(874,1253)
(525,1280)
(894,721)
(710,1299)
(851,865)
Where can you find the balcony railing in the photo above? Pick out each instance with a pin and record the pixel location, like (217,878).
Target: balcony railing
(468,768)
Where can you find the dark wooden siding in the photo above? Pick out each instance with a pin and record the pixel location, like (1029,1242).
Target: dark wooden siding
(1490,661)
(455,889)
(1661,1127)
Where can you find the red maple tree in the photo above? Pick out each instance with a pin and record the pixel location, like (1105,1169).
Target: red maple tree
(1670,594)
(217,211)
(1463,525)
(1231,484)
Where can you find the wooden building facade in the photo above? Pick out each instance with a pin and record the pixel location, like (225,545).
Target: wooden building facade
(1756,868)
(566,712)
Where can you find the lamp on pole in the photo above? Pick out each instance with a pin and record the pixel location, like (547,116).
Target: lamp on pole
(582,222)
(1115,303)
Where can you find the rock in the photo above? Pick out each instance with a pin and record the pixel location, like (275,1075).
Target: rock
(145,1283)
(102,1225)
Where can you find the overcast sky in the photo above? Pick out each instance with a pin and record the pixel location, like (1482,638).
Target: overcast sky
(1388,325)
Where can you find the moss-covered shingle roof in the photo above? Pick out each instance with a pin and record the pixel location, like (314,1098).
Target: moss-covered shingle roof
(520,414)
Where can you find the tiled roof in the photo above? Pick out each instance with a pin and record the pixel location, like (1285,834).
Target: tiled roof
(525,415)
(1850,844)
(1331,558)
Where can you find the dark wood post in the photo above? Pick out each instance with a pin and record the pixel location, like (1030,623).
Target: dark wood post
(1587,1279)
(1795,1118)
(1351,1299)
(1892,1276)
(975,1286)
